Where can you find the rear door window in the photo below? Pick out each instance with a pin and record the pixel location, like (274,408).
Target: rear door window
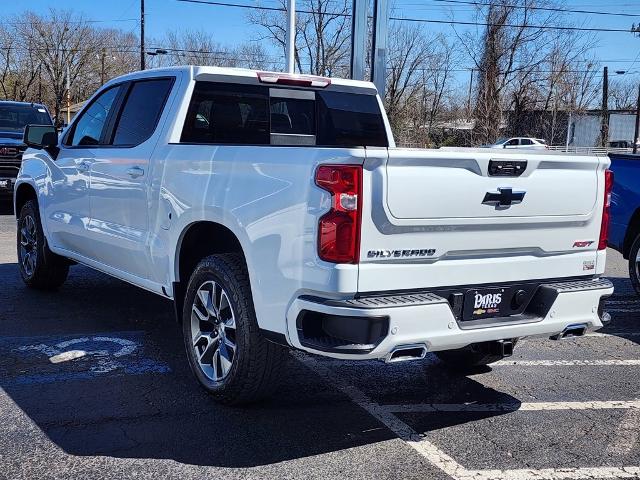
(227,114)
(350,120)
(141,111)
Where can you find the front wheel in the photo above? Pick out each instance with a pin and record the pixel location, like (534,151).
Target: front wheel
(39,267)
(226,352)
(634,264)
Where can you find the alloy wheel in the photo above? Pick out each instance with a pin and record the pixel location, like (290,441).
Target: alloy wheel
(28,245)
(213,331)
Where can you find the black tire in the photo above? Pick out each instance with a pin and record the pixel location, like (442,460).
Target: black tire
(634,265)
(255,363)
(40,268)
(470,357)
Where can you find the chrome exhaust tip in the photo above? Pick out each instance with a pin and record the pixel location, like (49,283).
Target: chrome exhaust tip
(576,330)
(405,353)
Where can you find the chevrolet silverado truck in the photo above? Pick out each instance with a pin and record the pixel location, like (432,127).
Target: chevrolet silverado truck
(14,116)
(276,212)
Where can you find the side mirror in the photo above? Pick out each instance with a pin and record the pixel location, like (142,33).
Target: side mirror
(41,136)
(504,146)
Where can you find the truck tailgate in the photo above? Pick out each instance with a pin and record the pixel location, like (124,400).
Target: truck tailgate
(464,216)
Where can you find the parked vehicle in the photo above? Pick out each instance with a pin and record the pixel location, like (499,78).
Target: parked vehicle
(276,211)
(621,144)
(520,143)
(625,212)
(14,116)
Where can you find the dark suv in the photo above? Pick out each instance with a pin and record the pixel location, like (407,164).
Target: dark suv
(14,116)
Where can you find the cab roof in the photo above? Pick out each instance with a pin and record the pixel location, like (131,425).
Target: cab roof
(242,75)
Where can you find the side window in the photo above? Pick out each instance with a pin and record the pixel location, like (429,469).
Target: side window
(88,129)
(513,142)
(526,141)
(350,120)
(141,112)
(227,114)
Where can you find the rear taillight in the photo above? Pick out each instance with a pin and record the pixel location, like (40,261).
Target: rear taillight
(606,215)
(339,228)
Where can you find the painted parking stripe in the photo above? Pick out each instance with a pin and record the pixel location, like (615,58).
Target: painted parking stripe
(513,407)
(442,460)
(612,334)
(431,359)
(49,359)
(569,363)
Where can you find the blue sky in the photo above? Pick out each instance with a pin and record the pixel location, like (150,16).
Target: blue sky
(230,25)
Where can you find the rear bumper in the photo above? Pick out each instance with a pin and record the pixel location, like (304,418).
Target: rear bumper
(372,327)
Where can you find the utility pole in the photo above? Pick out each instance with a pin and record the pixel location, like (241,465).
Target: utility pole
(40,83)
(380,41)
(68,93)
(636,135)
(290,46)
(470,90)
(604,136)
(102,67)
(141,34)
(358,39)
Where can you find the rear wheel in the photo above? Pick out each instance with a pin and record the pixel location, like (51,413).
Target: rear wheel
(472,356)
(634,264)
(39,267)
(226,351)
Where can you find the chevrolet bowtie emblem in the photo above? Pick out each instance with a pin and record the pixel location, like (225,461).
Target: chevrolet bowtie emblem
(504,197)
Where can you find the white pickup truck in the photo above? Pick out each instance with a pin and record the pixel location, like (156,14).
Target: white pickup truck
(276,211)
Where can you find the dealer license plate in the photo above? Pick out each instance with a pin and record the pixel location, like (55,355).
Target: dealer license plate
(485,303)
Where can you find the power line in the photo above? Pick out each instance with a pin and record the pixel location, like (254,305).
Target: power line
(418,20)
(547,9)
(78,22)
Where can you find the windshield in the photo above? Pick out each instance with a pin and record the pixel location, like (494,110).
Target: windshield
(16,117)
(501,140)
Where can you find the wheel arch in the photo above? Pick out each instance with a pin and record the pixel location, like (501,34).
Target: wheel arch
(198,240)
(633,229)
(24,192)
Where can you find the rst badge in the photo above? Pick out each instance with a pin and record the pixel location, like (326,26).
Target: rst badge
(582,243)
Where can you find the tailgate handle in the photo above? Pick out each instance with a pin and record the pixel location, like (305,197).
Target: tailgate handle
(507,168)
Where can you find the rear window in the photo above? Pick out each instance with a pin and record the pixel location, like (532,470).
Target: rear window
(255,115)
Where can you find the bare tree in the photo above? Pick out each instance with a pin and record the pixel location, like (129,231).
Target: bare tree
(62,42)
(200,48)
(623,93)
(322,36)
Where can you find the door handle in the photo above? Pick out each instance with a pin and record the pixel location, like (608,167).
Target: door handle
(83,166)
(135,172)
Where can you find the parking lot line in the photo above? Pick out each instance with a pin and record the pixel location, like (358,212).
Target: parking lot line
(513,407)
(442,460)
(570,363)
(612,334)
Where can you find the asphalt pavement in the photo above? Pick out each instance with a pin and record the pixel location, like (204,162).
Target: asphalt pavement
(128,407)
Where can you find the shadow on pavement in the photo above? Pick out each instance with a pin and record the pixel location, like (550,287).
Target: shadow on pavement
(624,307)
(146,404)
